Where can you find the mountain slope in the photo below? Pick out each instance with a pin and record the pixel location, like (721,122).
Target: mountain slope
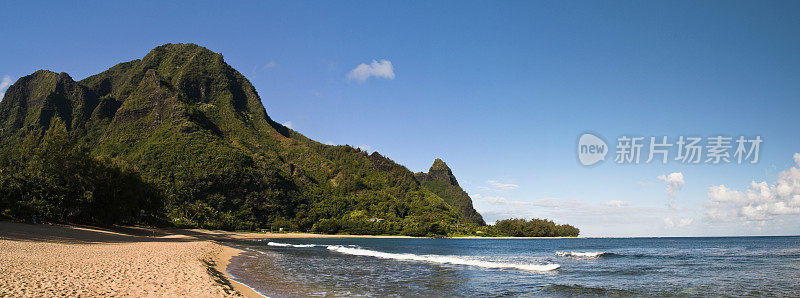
(194,128)
(441,181)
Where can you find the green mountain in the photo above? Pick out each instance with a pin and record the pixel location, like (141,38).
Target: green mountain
(182,138)
(441,181)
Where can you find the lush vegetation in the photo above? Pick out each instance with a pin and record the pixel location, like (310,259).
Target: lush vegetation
(55,181)
(180,138)
(518,227)
(440,180)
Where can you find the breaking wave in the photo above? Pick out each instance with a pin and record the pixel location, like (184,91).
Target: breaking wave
(441,259)
(589,254)
(290,245)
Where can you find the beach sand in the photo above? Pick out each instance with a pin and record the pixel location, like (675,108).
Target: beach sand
(56,260)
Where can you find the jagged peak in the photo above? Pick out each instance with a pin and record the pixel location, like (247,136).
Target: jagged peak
(439,171)
(439,165)
(441,181)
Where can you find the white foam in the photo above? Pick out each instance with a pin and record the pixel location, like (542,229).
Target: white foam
(289,245)
(441,259)
(236,279)
(590,254)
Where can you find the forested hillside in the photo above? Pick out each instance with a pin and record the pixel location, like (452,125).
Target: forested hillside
(181,138)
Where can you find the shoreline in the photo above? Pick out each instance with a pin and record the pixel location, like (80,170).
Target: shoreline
(302,235)
(73,260)
(221,262)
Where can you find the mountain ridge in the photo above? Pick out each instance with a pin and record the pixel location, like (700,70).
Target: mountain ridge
(195,129)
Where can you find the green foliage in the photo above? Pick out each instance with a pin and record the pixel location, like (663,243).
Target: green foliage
(183,138)
(441,181)
(519,227)
(59,182)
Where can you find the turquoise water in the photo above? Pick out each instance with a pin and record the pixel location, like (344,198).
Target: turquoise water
(725,266)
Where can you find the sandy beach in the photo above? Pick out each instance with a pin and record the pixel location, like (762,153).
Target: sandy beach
(55,260)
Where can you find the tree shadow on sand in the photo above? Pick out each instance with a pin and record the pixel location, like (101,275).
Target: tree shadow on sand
(75,234)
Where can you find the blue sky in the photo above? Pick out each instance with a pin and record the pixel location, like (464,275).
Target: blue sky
(500,90)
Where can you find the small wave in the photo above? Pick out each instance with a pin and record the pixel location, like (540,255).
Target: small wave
(290,245)
(590,254)
(441,259)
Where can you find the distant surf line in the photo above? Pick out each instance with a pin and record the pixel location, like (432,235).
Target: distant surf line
(439,259)
(589,254)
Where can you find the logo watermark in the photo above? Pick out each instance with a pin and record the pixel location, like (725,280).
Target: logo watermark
(711,150)
(591,149)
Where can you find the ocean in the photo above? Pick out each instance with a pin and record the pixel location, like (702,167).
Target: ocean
(718,266)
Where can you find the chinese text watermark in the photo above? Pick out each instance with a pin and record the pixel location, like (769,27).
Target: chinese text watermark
(711,150)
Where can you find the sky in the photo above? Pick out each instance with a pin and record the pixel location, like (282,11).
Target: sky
(500,90)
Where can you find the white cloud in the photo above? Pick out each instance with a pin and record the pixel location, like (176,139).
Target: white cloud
(616,203)
(673,182)
(289,124)
(270,64)
(669,223)
(760,202)
(3,85)
(362,72)
(502,186)
(329,143)
(364,147)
